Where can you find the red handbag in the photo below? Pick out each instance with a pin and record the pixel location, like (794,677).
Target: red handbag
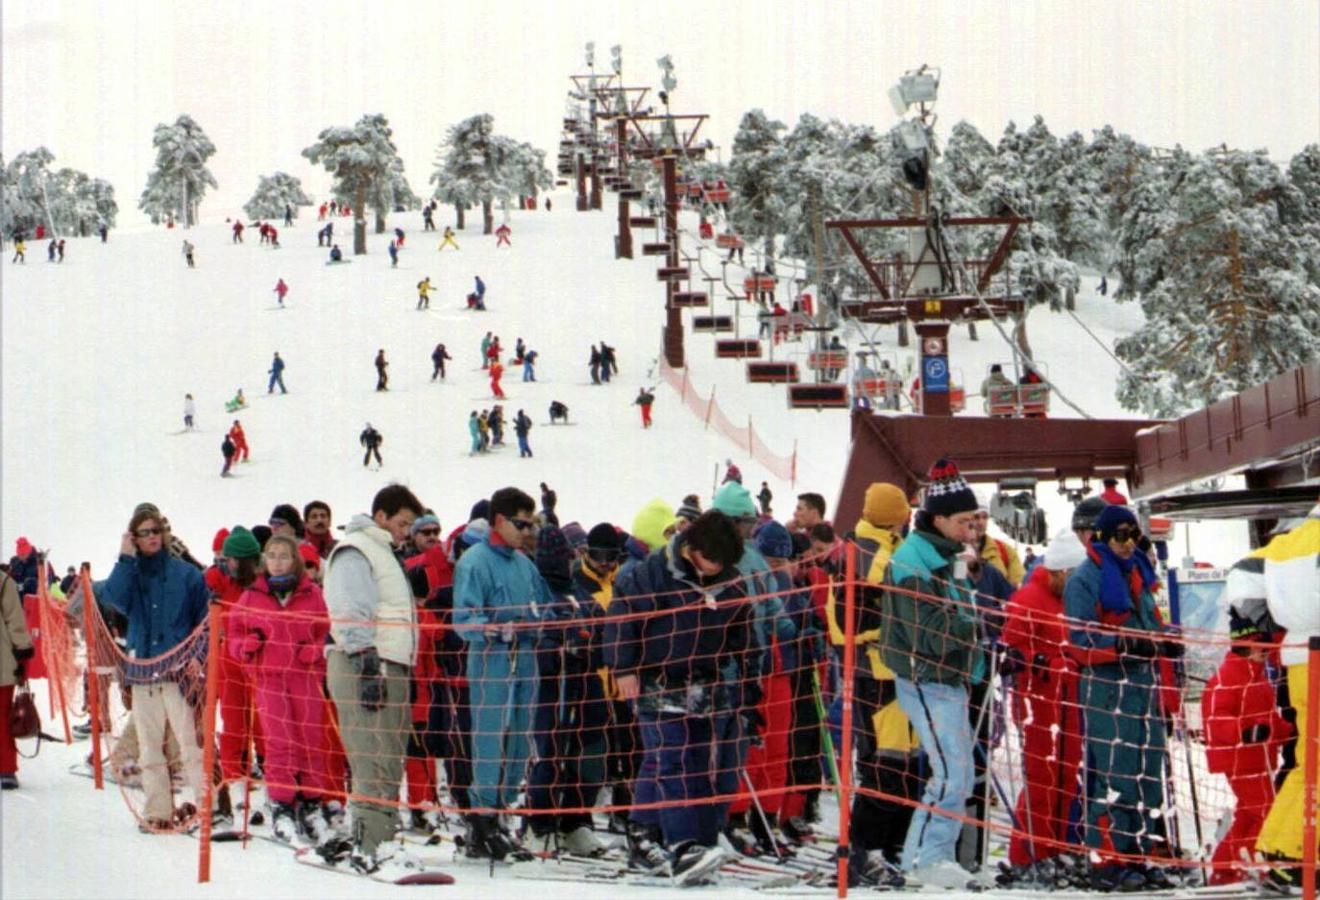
(24,720)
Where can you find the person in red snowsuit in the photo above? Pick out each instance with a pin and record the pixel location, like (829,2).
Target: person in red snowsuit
(496,373)
(502,236)
(1112,495)
(1243,733)
(279,629)
(321,213)
(281,290)
(238,232)
(236,435)
(234,570)
(1045,704)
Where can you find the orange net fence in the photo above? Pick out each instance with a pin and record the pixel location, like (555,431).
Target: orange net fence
(788,706)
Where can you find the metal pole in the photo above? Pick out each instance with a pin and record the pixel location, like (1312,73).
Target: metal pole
(1312,747)
(849,670)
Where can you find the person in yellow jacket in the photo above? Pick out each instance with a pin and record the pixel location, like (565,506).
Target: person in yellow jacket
(1000,554)
(888,752)
(1292,593)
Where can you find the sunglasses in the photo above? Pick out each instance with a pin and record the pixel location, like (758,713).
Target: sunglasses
(1125,535)
(429,532)
(522,524)
(148,532)
(276,523)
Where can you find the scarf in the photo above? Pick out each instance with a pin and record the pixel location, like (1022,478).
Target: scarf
(1121,580)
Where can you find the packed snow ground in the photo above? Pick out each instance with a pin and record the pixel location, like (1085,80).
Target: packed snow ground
(99,352)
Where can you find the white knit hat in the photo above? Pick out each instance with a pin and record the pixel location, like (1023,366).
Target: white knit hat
(1064,552)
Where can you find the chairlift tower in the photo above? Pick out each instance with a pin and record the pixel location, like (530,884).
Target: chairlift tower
(926,286)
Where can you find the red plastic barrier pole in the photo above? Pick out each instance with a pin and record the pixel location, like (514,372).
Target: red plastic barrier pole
(53,669)
(1312,739)
(93,680)
(849,666)
(208,748)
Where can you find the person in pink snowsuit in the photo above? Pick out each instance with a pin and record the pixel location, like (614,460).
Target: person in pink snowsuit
(278,629)
(281,290)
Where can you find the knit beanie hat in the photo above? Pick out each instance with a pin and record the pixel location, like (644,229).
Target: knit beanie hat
(603,537)
(218,542)
(734,500)
(688,511)
(241,544)
(651,522)
(1085,512)
(480,510)
(554,558)
(575,535)
(311,559)
(477,531)
(885,505)
(948,493)
(422,521)
(1064,552)
(773,540)
(1111,518)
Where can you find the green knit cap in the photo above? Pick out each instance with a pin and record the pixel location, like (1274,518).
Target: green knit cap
(734,501)
(241,544)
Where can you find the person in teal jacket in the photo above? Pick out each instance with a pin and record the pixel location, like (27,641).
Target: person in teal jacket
(474,431)
(928,638)
(1119,696)
(498,597)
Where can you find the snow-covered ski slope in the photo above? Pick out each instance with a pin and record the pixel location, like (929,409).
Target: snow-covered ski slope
(99,352)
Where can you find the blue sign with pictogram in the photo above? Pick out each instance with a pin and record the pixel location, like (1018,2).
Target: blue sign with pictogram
(935,374)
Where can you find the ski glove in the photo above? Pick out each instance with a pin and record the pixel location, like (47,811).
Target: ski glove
(1256,734)
(310,654)
(21,656)
(1011,662)
(251,645)
(371,683)
(1140,647)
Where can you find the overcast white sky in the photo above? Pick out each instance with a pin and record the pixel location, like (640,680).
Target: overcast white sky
(90,79)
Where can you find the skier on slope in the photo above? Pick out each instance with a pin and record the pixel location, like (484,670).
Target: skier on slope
(189,411)
(276,374)
(382,377)
(394,255)
(238,232)
(447,239)
(502,236)
(522,424)
(438,357)
(239,437)
(281,291)
(529,365)
(424,293)
(645,397)
(229,451)
(496,373)
(371,439)
(188,253)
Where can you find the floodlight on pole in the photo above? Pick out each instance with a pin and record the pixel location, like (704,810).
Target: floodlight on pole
(591,54)
(616,59)
(917,86)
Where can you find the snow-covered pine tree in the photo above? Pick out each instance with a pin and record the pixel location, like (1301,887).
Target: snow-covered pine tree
(1223,280)
(274,194)
(1118,161)
(1304,173)
(180,178)
(524,172)
(467,169)
(754,167)
(30,175)
(359,158)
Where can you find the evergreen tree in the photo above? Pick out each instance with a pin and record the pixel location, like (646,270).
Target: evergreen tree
(29,174)
(754,170)
(467,169)
(362,160)
(180,178)
(1223,281)
(66,201)
(274,194)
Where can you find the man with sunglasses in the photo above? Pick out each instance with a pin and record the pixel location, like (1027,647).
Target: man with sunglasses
(499,597)
(164,599)
(1118,639)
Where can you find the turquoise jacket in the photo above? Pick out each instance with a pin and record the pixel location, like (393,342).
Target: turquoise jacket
(494,585)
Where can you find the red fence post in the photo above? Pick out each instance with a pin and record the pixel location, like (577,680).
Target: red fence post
(92,679)
(1312,738)
(54,668)
(849,666)
(208,748)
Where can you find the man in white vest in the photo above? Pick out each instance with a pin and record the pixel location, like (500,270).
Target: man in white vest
(369,665)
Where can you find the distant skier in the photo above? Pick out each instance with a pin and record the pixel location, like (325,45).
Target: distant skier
(237,402)
(428,218)
(447,239)
(51,248)
(502,236)
(493,351)
(60,248)
(382,377)
(399,237)
(558,411)
(320,213)
(424,293)
(522,424)
(438,357)
(103,230)
(281,291)
(239,437)
(474,431)
(519,350)
(288,215)
(479,288)
(230,451)
(529,365)
(594,363)
(188,249)
(764,497)
(189,411)
(334,207)
(485,350)
(1104,286)
(645,397)
(496,373)
(371,439)
(276,374)
(238,232)
(731,472)
(336,255)
(20,251)
(325,237)
(609,362)
(547,204)
(273,235)
(394,255)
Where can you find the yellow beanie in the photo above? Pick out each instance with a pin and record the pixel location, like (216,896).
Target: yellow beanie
(885,506)
(651,522)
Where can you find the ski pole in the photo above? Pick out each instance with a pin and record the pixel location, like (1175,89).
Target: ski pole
(760,812)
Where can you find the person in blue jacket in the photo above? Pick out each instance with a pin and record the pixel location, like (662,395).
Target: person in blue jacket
(164,599)
(677,641)
(276,375)
(499,597)
(1118,640)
